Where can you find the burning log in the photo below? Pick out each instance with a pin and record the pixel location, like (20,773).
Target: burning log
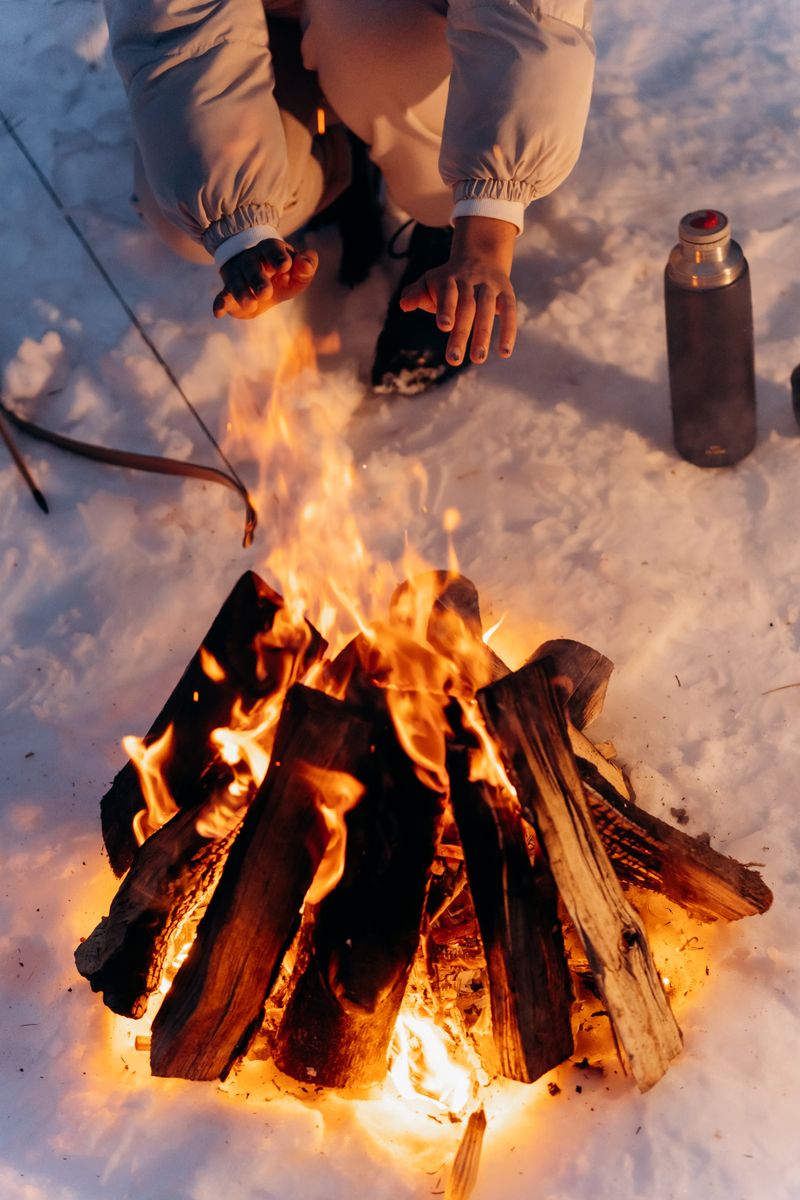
(124,957)
(517,909)
(340,1017)
(523,713)
(249,654)
(216,1002)
(643,849)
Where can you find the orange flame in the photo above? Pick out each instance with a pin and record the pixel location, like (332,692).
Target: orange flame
(149,762)
(210,666)
(337,794)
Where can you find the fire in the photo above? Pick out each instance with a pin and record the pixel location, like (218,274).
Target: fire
(337,793)
(423,1066)
(149,762)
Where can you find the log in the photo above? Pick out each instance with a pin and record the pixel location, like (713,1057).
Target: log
(341,1014)
(453,625)
(216,1002)
(124,957)
(516,906)
(583,672)
(653,854)
(517,909)
(246,655)
(523,713)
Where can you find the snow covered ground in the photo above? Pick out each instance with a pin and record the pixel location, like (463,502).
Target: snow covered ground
(577,519)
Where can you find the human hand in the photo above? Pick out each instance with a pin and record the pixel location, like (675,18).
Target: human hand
(266,275)
(469,290)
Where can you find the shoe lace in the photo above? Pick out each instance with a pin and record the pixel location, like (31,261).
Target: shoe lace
(391,247)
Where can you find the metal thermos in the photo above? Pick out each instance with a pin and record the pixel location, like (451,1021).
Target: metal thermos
(710,343)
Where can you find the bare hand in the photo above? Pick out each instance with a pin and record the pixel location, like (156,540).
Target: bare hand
(266,275)
(469,290)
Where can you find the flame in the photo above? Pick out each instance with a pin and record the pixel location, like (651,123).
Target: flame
(320,120)
(337,794)
(487,637)
(422,1065)
(210,666)
(149,762)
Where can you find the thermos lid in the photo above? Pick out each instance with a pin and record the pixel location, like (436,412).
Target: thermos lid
(704,227)
(706,256)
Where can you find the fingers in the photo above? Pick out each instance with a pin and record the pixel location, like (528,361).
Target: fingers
(257,282)
(507,311)
(447,305)
(418,295)
(462,327)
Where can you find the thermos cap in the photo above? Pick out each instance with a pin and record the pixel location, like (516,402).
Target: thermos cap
(706,256)
(704,227)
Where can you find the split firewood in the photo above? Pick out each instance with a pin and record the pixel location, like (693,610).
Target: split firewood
(516,904)
(645,850)
(524,715)
(216,1002)
(125,956)
(341,1014)
(517,909)
(583,672)
(251,652)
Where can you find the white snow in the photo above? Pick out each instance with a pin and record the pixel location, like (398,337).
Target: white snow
(577,519)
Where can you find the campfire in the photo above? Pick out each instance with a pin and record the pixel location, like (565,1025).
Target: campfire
(325,856)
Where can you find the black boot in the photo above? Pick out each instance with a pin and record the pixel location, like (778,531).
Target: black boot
(358,215)
(410,354)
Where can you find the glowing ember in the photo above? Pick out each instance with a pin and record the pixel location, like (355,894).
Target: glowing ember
(423,1066)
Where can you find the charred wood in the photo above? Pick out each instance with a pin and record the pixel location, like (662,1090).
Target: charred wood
(124,957)
(247,655)
(217,999)
(341,1014)
(517,909)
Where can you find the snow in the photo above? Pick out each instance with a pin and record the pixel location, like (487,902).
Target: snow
(577,519)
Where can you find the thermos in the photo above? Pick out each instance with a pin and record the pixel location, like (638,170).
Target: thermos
(710,343)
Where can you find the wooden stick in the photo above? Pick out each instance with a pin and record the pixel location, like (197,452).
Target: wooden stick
(216,1002)
(22,466)
(526,720)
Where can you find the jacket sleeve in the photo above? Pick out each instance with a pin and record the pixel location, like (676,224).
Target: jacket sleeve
(519,97)
(200,85)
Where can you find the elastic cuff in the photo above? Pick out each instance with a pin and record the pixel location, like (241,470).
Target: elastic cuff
(502,210)
(244,217)
(243,241)
(515,190)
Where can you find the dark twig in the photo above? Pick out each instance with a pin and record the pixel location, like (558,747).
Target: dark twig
(22,467)
(132,317)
